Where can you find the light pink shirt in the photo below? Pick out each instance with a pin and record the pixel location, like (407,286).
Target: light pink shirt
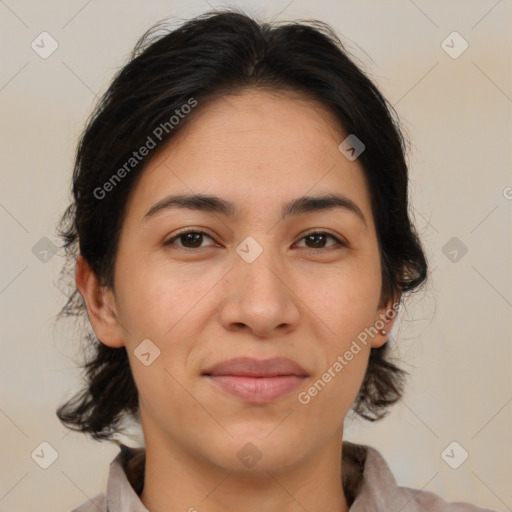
(378,490)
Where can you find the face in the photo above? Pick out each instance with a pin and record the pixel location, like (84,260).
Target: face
(247,282)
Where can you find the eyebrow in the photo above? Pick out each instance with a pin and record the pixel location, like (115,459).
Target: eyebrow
(214,204)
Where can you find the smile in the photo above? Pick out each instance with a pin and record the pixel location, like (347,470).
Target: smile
(257,390)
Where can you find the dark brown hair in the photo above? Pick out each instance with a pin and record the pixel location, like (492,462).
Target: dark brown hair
(206,57)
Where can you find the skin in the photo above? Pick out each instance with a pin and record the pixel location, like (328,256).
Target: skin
(258,150)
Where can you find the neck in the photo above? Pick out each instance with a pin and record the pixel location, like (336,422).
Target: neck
(176,481)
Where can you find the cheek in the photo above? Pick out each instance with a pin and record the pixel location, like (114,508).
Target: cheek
(345,300)
(155,300)
(329,397)
(347,305)
(163,397)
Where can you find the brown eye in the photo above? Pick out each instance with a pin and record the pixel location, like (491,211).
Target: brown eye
(317,241)
(188,239)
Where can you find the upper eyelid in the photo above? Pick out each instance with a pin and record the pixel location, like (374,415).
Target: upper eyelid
(338,239)
(186,232)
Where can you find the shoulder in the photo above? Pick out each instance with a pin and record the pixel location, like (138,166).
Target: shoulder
(378,489)
(96,504)
(423,501)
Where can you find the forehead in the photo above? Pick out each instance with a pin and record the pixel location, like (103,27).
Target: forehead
(252,119)
(257,149)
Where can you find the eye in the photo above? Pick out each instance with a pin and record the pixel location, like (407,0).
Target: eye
(318,239)
(190,239)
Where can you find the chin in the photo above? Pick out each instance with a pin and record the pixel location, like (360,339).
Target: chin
(253,452)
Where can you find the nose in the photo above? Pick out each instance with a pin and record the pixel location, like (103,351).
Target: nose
(260,298)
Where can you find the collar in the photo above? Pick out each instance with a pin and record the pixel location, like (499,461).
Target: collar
(363,468)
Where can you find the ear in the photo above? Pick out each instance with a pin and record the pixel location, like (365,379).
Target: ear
(100,305)
(386,314)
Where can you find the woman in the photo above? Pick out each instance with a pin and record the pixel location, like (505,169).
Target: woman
(243,246)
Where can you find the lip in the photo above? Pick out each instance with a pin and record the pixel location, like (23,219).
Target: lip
(257,380)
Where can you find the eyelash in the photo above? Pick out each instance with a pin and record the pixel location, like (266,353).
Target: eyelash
(170,241)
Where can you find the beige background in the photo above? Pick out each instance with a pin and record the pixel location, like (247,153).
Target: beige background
(455,337)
